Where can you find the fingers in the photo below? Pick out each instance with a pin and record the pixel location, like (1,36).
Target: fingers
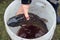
(27,17)
(25,9)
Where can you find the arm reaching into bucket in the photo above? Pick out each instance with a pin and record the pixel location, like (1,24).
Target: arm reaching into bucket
(23,9)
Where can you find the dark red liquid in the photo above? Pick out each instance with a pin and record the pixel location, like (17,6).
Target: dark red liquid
(31,32)
(34,28)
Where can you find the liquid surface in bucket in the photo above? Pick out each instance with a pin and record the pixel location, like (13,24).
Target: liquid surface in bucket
(34,28)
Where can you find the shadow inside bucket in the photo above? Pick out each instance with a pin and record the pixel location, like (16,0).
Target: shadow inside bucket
(35,27)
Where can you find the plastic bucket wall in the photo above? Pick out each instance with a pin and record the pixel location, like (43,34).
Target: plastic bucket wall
(38,8)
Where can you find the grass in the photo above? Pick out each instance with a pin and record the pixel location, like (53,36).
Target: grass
(3,33)
(57,33)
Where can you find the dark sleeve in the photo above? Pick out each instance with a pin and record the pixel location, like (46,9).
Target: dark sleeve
(26,1)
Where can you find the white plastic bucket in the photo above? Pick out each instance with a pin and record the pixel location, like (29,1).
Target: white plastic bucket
(37,7)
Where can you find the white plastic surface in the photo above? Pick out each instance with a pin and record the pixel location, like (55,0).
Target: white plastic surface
(45,11)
